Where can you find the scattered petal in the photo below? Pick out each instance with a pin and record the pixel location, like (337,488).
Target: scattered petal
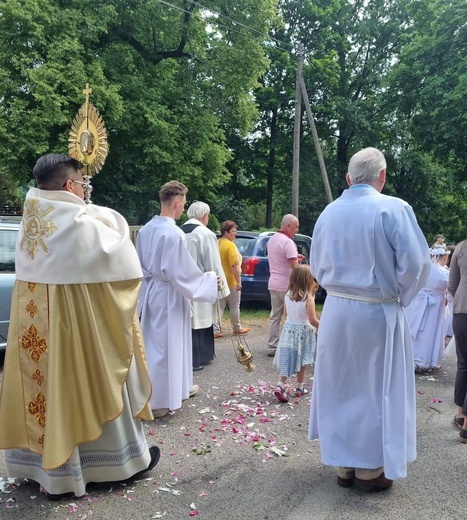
(278,452)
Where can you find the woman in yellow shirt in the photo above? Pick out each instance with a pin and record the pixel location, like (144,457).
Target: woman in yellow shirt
(232,264)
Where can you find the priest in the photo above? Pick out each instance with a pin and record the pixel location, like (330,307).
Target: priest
(76,386)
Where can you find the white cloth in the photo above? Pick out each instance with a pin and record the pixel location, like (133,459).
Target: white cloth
(364,366)
(426,319)
(57,226)
(449,311)
(171,280)
(119,453)
(202,246)
(451,348)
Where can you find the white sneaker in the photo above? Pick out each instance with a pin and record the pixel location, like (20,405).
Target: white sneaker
(160,412)
(194,390)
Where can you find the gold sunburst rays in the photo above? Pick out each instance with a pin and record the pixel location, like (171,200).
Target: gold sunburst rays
(87,141)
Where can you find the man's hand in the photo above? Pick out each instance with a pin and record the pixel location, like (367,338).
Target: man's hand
(301,258)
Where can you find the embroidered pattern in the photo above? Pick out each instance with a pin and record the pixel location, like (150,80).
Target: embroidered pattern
(40,440)
(32,286)
(36,227)
(38,377)
(35,345)
(37,408)
(31,308)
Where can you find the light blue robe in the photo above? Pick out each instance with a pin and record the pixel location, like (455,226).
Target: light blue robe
(363,403)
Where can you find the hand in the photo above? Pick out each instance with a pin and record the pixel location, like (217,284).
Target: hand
(239,287)
(220,284)
(301,258)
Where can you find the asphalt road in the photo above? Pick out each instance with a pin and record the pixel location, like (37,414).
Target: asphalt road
(233,452)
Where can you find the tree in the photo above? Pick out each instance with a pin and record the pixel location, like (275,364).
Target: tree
(431,80)
(170,82)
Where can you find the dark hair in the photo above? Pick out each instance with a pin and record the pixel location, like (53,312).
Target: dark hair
(53,170)
(172,189)
(451,248)
(227,226)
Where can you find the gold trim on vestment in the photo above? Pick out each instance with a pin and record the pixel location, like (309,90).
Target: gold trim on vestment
(65,366)
(36,228)
(33,335)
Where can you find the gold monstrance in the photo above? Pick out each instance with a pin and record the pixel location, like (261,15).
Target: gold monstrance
(87,141)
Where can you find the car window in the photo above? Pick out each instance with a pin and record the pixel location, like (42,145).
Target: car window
(7,249)
(263,247)
(303,247)
(244,245)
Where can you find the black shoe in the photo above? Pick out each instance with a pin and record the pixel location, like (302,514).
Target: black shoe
(380,482)
(344,482)
(197,369)
(155,456)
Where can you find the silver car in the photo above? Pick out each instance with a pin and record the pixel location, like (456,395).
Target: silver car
(8,233)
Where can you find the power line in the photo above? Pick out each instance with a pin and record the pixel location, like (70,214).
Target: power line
(194,2)
(266,36)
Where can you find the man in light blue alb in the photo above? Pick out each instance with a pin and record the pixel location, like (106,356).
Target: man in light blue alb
(370,255)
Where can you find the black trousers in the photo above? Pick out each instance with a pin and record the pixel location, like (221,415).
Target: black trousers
(203,346)
(459,327)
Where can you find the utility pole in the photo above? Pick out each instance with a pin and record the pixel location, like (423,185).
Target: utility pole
(319,152)
(296,130)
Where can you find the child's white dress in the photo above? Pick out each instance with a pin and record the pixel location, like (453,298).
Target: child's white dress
(297,343)
(425,316)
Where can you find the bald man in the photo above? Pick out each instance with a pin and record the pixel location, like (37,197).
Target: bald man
(283,257)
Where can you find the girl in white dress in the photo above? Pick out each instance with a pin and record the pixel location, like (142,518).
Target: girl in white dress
(297,343)
(426,314)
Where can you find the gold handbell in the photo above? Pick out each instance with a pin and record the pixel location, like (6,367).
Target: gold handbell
(244,355)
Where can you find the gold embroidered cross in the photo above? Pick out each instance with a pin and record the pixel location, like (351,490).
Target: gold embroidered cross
(38,409)
(38,377)
(31,308)
(35,345)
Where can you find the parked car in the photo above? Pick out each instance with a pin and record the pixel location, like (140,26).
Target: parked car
(8,234)
(255,266)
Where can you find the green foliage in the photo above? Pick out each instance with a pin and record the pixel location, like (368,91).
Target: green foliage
(431,80)
(169,82)
(206,94)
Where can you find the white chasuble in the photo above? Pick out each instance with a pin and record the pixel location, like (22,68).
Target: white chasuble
(74,344)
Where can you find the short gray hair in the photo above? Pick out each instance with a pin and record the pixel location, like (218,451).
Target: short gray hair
(198,209)
(366,165)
